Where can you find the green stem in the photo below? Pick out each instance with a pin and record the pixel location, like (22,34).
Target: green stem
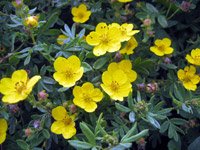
(33,38)
(173,14)
(168,9)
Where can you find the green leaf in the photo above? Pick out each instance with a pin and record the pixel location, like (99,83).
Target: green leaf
(153,121)
(151,8)
(136,137)
(178,121)
(79,144)
(86,67)
(122,108)
(100,62)
(27,60)
(88,133)
(46,134)
(130,132)
(162,21)
(22,144)
(164,126)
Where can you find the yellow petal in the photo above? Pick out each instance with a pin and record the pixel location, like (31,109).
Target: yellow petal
(125,65)
(101,27)
(195,79)
(61,64)
(32,82)
(93,38)
(7,86)
(79,102)
(74,62)
(99,50)
(69,131)
(3,125)
(14,97)
(155,50)
(190,59)
(62,80)
(19,75)
(82,7)
(90,107)
(97,95)
(77,91)
(106,78)
(167,42)
(74,11)
(57,127)
(88,86)
(169,50)
(181,74)
(2,137)
(113,66)
(59,113)
(190,86)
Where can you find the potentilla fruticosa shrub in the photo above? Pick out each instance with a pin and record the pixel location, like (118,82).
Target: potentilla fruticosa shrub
(100,75)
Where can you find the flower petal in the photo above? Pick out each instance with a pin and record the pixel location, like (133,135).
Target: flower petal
(19,75)
(3,125)
(59,113)
(57,127)
(7,86)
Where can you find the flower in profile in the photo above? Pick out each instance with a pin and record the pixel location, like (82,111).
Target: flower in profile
(125,1)
(31,22)
(104,39)
(18,87)
(63,124)
(162,47)
(62,39)
(194,58)
(87,96)
(3,129)
(126,67)
(80,13)
(130,46)
(68,71)
(116,84)
(188,77)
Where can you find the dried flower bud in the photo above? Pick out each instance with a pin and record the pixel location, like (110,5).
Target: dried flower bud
(42,95)
(185,6)
(36,124)
(31,22)
(141,144)
(147,22)
(14,108)
(118,57)
(28,132)
(150,33)
(72,108)
(152,87)
(141,86)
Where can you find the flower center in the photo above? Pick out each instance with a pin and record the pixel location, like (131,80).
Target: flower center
(69,74)
(161,48)
(67,121)
(80,15)
(87,98)
(104,39)
(114,86)
(20,87)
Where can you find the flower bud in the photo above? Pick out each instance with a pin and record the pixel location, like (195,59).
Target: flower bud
(147,22)
(42,95)
(185,6)
(150,33)
(31,22)
(141,86)
(141,143)
(28,132)
(17,3)
(72,108)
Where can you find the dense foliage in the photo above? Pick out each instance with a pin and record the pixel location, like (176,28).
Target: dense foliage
(107,74)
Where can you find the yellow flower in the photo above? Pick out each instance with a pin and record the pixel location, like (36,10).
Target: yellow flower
(105,39)
(188,77)
(86,96)
(62,39)
(31,21)
(80,14)
(130,46)
(18,87)
(194,58)
(68,71)
(125,1)
(162,47)
(3,129)
(64,123)
(126,67)
(116,84)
